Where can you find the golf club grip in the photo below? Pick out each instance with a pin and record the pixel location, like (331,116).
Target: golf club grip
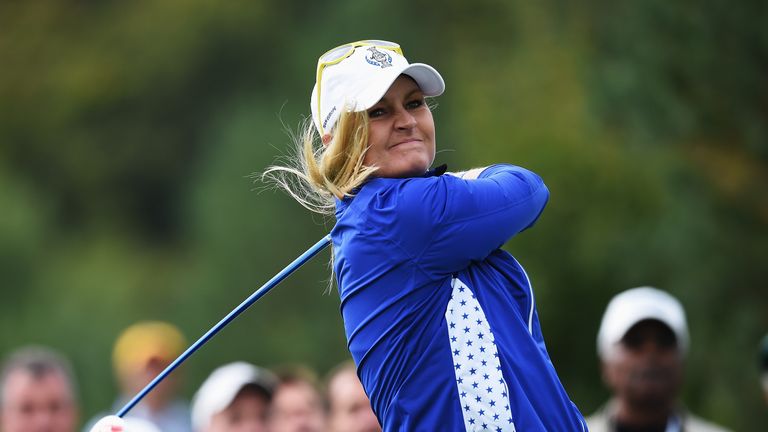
(284,273)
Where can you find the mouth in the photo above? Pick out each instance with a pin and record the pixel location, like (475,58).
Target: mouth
(407,141)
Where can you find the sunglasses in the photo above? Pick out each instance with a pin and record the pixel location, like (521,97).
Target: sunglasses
(337,55)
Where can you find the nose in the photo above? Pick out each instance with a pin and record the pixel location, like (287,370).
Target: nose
(649,347)
(404,119)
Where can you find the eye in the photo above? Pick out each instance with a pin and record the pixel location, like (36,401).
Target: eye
(415,103)
(376,112)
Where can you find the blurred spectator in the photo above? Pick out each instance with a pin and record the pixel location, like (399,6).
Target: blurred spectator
(297,405)
(642,343)
(141,352)
(764,366)
(349,407)
(234,398)
(37,392)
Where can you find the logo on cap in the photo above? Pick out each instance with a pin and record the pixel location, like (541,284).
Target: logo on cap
(378,58)
(328,117)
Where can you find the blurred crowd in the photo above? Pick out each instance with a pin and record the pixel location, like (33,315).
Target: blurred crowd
(641,344)
(38,392)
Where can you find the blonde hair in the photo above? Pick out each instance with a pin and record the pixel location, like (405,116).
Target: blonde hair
(318,173)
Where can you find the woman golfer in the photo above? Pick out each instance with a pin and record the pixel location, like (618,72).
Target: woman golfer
(440,321)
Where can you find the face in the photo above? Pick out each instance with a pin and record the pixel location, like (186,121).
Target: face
(297,407)
(247,413)
(163,393)
(37,403)
(350,408)
(402,132)
(645,369)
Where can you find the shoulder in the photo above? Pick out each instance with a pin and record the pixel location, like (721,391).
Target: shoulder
(407,210)
(380,207)
(396,196)
(694,423)
(600,420)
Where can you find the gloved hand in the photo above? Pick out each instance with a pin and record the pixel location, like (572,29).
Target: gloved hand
(110,423)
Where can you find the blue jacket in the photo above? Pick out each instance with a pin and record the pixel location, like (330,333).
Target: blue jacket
(440,321)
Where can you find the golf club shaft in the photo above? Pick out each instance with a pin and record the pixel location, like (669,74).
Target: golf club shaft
(298,262)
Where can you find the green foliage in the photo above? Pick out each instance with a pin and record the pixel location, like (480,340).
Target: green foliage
(129,132)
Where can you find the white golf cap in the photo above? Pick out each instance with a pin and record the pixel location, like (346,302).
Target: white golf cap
(637,304)
(360,80)
(220,388)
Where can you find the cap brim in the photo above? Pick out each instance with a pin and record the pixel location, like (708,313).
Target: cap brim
(427,78)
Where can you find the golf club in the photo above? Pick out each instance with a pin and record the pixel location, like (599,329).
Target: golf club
(290,268)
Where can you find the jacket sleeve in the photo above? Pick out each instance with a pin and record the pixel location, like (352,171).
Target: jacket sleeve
(447,222)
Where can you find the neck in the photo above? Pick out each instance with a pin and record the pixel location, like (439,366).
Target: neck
(646,415)
(152,403)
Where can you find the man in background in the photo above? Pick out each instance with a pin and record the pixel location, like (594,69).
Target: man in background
(37,392)
(349,406)
(234,398)
(298,404)
(642,343)
(141,352)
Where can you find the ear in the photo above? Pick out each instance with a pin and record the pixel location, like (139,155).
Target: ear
(604,372)
(608,373)
(326,139)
